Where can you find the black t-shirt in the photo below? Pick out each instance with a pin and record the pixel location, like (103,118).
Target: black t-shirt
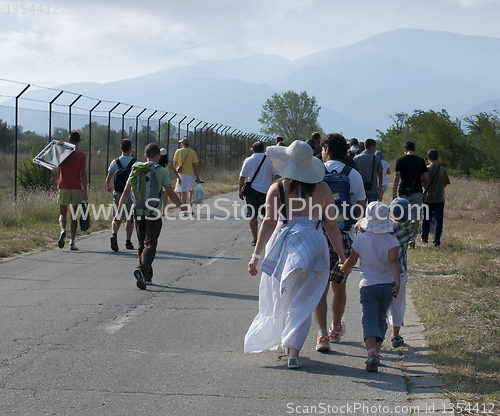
(411,168)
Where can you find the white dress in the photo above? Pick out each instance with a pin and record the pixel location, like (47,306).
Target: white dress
(294,277)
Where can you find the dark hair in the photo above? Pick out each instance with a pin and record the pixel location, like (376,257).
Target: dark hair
(258,147)
(312,143)
(279,139)
(304,189)
(336,144)
(353,142)
(433,154)
(361,146)
(315,136)
(74,137)
(152,150)
(409,146)
(369,143)
(125,145)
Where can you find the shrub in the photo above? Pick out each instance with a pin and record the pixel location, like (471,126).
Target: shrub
(33,176)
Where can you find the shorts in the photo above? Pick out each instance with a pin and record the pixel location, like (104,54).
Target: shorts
(335,274)
(396,312)
(416,199)
(128,205)
(69,196)
(187,183)
(383,188)
(256,202)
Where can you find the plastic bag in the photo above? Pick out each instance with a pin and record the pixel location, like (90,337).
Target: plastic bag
(198,194)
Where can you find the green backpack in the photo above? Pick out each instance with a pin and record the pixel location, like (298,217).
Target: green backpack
(146,191)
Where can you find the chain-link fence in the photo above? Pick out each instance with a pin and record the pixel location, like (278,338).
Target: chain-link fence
(32,116)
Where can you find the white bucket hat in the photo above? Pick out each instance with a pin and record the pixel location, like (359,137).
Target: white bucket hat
(377,219)
(296,162)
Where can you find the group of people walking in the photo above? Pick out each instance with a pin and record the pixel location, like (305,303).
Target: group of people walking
(305,254)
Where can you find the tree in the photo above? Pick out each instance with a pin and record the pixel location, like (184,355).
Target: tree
(291,115)
(7,137)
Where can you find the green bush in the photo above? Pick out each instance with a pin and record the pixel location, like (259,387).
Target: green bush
(32,176)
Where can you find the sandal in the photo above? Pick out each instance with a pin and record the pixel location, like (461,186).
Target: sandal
(293,362)
(254,242)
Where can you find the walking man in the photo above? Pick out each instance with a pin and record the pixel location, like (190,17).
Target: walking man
(334,149)
(148,222)
(410,174)
(370,167)
(120,169)
(72,188)
(261,175)
(186,164)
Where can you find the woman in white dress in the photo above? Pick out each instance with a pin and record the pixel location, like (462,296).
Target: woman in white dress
(296,266)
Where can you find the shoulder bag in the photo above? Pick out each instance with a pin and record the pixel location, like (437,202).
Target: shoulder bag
(246,189)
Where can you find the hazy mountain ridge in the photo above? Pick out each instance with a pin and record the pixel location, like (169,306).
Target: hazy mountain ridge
(358,86)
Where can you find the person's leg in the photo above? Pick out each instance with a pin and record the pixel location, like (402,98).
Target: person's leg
(63,213)
(129,229)
(254,226)
(140,230)
(338,302)
(426,223)
(182,197)
(438,222)
(368,297)
(323,339)
(151,234)
(74,227)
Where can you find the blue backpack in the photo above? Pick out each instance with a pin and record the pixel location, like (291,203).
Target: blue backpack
(344,199)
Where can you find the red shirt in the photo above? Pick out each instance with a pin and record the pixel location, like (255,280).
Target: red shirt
(69,171)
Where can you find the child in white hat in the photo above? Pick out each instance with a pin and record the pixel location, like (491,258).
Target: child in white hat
(378,252)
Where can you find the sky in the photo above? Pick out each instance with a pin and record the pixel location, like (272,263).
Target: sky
(101,41)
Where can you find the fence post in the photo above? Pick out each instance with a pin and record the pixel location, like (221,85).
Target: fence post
(50,114)
(187,128)
(179,131)
(147,135)
(16,134)
(123,125)
(159,129)
(90,139)
(70,107)
(194,139)
(137,129)
(168,133)
(109,133)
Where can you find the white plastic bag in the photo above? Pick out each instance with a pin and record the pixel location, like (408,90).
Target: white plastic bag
(198,194)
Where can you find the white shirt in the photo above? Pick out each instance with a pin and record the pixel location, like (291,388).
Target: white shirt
(385,166)
(355,179)
(373,250)
(264,178)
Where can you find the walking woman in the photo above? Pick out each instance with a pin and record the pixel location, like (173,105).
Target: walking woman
(296,265)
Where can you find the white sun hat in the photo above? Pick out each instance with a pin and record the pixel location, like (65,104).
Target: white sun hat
(296,162)
(377,219)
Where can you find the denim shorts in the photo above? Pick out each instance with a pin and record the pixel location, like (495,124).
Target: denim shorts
(375,301)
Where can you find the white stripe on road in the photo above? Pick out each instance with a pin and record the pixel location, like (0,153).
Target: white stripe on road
(120,321)
(216,257)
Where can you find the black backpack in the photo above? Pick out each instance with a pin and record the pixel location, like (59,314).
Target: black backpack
(122,174)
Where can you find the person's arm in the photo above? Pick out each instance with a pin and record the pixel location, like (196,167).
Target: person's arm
(380,179)
(394,265)
(267,228)
(425,178)
(83,178)
(172,169)
(241,181)
(109,182)
(395,184)
(173,196)
(349,263)
(123,200)
(332,230)
(196,173)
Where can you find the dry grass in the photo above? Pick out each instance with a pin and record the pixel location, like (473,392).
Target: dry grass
(457,292)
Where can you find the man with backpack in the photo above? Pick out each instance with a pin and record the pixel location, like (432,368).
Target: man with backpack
(370,167)
(145,185)
(347,186)
(118,172)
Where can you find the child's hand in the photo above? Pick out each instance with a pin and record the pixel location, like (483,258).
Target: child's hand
(344,268)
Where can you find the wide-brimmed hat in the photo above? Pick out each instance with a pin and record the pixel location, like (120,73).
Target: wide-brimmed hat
(296,162)
(377,218)
(379,154)
(184,140)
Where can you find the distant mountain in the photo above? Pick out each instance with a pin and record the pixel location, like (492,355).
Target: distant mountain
(358,86)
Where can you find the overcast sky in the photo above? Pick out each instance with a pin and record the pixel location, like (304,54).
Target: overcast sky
(101,41)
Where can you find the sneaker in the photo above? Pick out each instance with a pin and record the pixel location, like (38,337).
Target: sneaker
(148,282)
(141,281)
(73,247)
(129,245)
(424,241)
(411,244)
(335,336)
(323,343)
(397,341)
(372,363)
(114,243)
(293,362)
(60,243)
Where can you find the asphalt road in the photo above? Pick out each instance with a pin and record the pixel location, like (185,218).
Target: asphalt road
(78,338)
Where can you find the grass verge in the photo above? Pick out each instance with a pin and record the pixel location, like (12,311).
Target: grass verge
(31,222)
(456,292)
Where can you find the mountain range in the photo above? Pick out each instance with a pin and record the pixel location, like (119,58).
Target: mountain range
(358,86)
